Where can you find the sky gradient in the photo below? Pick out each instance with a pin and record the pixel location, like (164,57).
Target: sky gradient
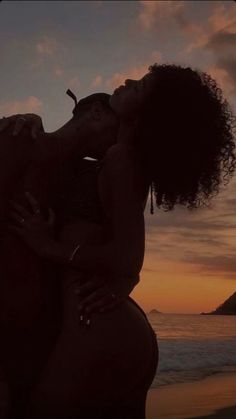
(49,46)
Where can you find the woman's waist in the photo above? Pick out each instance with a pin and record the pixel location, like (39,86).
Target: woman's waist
(126,311)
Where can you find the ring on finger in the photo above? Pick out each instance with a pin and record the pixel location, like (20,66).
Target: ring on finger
(85,320)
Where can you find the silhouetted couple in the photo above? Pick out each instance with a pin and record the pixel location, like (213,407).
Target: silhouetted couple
(75,345)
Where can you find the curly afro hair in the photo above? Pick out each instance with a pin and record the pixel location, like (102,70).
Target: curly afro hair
(186,137)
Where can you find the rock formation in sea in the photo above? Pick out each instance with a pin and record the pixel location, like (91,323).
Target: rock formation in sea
(228,307)
(154,311)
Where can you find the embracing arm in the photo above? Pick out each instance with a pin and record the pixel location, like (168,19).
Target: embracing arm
(48,151)
(123,254)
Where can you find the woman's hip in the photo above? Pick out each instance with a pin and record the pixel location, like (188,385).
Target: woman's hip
(125,328)
(114,358)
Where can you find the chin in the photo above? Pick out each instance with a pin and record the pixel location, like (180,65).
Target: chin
(119,106)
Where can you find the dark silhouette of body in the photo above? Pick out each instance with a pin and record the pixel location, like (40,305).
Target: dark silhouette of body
(32,315)
(30,307)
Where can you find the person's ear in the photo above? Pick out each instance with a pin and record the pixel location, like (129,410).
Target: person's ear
(97,111)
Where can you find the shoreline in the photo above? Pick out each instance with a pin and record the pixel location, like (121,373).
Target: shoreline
(212,397)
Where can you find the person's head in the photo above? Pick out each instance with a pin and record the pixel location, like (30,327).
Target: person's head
(185,133)
(97,122)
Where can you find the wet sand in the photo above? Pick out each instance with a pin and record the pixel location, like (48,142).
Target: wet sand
(212,397)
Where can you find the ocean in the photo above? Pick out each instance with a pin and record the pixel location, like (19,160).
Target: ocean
(192,347)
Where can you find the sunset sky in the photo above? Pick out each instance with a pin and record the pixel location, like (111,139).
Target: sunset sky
(47,47)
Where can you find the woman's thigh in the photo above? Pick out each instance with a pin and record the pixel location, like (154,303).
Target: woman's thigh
(97,366)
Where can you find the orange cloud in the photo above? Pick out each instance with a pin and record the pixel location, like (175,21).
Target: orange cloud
(135,72)
(30,105)
(96,82)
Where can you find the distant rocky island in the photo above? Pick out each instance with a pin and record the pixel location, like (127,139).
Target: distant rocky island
(154,311)
(226,308)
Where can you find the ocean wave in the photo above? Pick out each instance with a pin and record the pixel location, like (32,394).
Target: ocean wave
(177,377)
(179,355)
(188,360)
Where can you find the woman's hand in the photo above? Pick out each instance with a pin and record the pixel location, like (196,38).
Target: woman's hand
(32,227)
(100,296)
(19,121)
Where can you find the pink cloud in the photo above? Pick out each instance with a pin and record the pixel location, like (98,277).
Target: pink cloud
(135,72)
(192,29)
(47,46)
(221,19)
(153,11)
(223,79)
(219,38)
(58,71)
(198,42)
(147,15)
(48,51)
(96,82)
(131,73)
(30,105)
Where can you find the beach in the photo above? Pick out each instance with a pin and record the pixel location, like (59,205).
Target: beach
(211,397)
(196,375)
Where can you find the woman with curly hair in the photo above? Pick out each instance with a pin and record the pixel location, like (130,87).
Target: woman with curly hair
(185,135)
(175,136)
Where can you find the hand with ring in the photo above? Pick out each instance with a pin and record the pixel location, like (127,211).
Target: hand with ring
(19,121)
(31,226)
(103,294)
